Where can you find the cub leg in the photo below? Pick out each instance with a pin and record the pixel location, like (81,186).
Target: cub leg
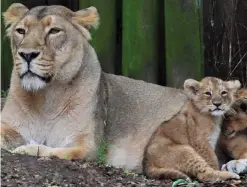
(165,173)
(185,160)
(237,147)
(10,138)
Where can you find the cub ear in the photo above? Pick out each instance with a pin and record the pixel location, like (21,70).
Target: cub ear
(233,85)
(242,93)
(191,87)
(231,113)
(243,105)
(14,13)
(240,105)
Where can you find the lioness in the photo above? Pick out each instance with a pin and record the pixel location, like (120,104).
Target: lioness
(233,139)
(184,146)
(61,103)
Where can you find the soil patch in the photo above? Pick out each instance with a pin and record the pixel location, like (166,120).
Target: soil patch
(29,171)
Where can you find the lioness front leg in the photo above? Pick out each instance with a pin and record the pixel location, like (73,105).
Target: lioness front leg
(68,153)
(79,147)
(10,138)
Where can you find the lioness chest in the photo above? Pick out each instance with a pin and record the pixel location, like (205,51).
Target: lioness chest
(53,132)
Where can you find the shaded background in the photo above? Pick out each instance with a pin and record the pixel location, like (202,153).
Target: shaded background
(160,41)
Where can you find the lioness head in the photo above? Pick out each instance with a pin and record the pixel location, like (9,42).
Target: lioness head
(236,117)
(47,42)
(212,95)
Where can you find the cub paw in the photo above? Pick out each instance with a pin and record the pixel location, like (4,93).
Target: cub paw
(216,176)
(225,175)
(236,166)
(31,149)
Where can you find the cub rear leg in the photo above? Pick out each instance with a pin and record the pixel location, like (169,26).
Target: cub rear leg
(183,159)
(163,173)
(10,138)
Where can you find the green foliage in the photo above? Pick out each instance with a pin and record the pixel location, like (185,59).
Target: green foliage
(183,182)
(127,172)
(102,152)
(4,93)
(67,156)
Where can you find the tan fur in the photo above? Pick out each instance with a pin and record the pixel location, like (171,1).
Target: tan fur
(184,146)
(9,137)
(70,99)
(234,136)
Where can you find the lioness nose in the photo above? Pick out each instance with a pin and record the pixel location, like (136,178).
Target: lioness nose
(217,103)
(28,57)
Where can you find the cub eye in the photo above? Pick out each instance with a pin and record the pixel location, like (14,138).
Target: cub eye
(20,31)
(208,93)
(54,30)
(224,93)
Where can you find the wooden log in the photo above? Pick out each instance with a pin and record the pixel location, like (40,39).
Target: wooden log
(104,38)
(183,41)
(140,39)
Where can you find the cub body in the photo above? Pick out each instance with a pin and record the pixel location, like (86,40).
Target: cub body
(233,140)
(184,146)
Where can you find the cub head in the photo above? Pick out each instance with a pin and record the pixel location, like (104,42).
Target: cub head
(212,95)
(47,42)
(236,117)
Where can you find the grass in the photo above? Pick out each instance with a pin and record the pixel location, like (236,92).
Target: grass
(4,93)
(102,152)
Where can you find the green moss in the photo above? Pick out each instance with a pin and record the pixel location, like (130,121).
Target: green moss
(4,93)
(102,152)
(183,39)
(140,39)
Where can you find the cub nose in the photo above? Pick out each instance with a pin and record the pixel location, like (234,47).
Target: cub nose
(28,57)
(217,103)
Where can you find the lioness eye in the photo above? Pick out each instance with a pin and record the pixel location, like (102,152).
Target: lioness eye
(224,93)
(208,93)
(20,31)
(54,30)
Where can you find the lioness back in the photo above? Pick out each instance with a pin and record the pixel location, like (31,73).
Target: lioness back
(184,146)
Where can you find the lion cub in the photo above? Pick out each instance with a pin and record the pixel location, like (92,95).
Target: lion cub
(234,131)
(184,146)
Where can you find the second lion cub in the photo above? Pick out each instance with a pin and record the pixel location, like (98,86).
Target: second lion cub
(184,146)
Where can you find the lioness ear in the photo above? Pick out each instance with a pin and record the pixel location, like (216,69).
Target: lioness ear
(14,13)
(86,18)
(233,85)
(191,87)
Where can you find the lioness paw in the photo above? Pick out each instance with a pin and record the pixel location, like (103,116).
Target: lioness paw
(236,166)
(31,149)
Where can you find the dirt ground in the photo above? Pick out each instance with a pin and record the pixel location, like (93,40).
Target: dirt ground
(28,171)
